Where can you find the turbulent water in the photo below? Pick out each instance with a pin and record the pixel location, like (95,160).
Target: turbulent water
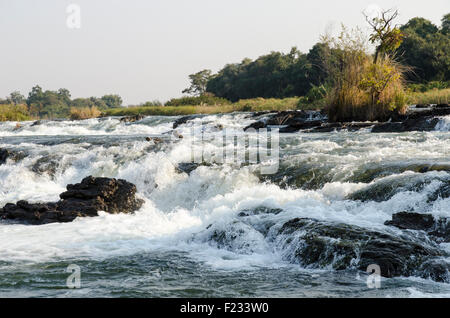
(169,248)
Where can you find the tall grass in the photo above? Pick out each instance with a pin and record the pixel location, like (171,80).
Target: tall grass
(14,113)
(361,89)
(78,113)
(246,105)
(435,96)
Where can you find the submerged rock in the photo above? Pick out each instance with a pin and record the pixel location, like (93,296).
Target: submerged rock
(132,119)
(318,244)
(84,199)
(183,120)
(435,227)
(8,154)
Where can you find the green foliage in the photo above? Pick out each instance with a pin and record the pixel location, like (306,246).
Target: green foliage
(89,102)
(14,113)
(112,100)
(426,48)
(275,75)
(203,100)
(198,83)
(16,98)
(363,88)
(153,103)
(424,87)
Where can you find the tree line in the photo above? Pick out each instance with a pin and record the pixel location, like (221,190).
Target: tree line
(425,48)
(58,104)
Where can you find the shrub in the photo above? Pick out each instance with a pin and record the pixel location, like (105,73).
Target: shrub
(203,100)
(363,89)
(79,113)
(14,113)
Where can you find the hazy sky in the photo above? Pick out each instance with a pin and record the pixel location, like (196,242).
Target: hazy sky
(145,50)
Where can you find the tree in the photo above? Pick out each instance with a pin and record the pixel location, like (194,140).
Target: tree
(112,100)
(198,83)
(446,24)
(426,50)
(387,37)
(16,98)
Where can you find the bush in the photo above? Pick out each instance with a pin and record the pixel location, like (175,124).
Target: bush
(204,100)
(363,89)
(79,113)
(14,113)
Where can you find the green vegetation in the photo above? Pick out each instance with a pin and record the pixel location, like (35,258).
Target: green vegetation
(416,53)
(54,104)
(411,64)
(14,113)
(365,87)
(245,105)
(78,113)
(206,99)
(435,96)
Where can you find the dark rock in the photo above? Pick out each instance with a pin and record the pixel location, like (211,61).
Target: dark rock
(436,227)
(256,125)
(132,119)
(36,123)
(47,164)
(423,106)
(8,154)
(183,120)
(84,199)
(413,221)
(156,140)
(318,244)
(443,105)
(188,167)
(258,211)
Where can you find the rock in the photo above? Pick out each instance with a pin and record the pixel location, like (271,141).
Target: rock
(183,120)
(132,119)
(443,105)
(256,125)
(435,227)
(156,140)
(47,164)
(413,221)
(13,155)
(84,199)
(36,123)
(318,244)
(423,106)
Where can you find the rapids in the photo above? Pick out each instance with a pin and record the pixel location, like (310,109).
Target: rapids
(171,248)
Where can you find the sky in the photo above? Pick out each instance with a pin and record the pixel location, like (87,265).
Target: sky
(144,50)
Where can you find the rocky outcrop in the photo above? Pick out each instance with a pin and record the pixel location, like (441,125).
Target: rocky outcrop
(132,119)
(84,199)
(8,154)
(183,120)
(419,118)
(318,244)
(435,227)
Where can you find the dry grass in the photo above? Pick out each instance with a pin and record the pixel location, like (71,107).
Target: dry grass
(14,113)
(79,113)
(435,96)
(246,105)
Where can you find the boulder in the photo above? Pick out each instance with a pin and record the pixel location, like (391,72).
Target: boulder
(84,199)
(13,155)
(132,119)
(438,228)
(183,120)
(319,244)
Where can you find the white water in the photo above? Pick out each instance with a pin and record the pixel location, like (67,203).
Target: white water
(181,207)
